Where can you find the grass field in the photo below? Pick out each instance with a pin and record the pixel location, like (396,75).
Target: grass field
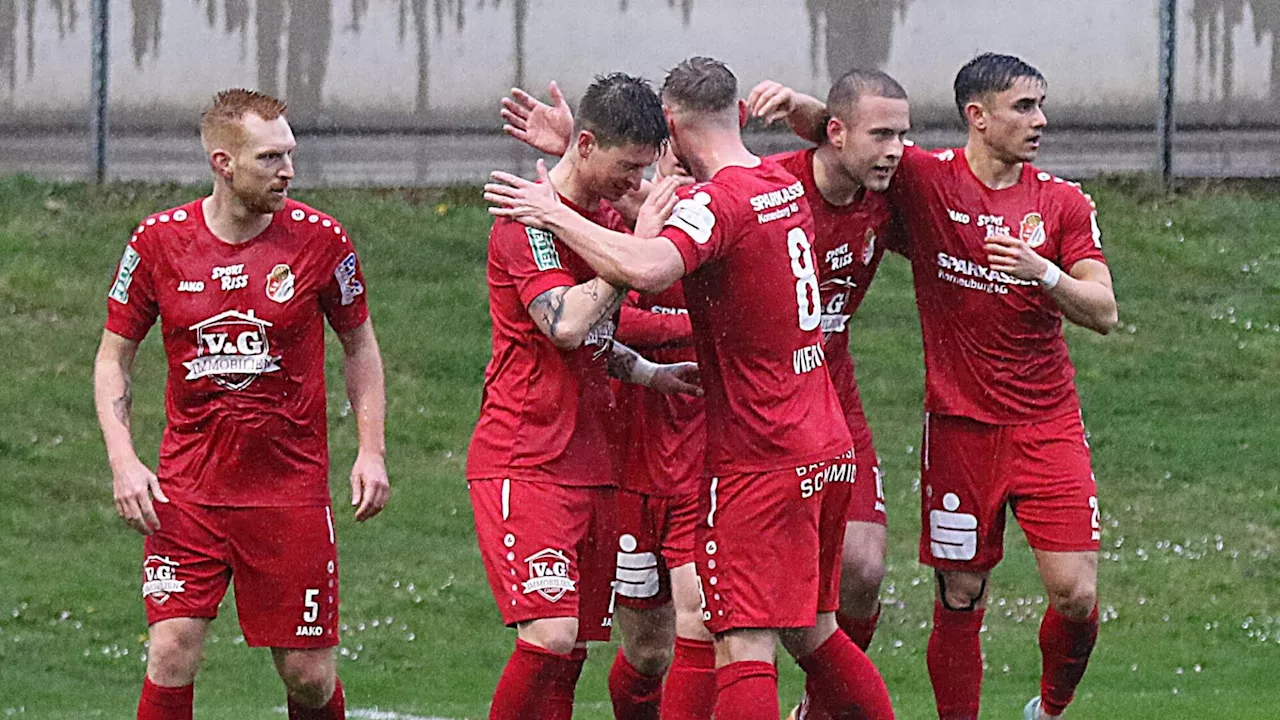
(1182,405)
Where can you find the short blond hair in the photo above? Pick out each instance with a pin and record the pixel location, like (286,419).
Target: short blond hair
(222,124)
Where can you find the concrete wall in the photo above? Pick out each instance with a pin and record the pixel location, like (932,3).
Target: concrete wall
(441,64)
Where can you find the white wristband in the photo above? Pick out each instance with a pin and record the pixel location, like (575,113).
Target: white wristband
(643,372)
(1052,274)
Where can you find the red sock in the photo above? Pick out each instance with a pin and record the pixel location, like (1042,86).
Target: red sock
(165,703)
(691,682)
(335,709)
(635,696)
(859,630)
(841,680)
(747,690)
(955,662)
(536,684)
(1065,645)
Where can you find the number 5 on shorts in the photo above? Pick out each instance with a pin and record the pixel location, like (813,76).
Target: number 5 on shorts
(313,608)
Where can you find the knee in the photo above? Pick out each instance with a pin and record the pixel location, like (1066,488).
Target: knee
(1076,600)
(310,682)
(650,658)
(861,576)
(557,635)
(174,657)
(962,591)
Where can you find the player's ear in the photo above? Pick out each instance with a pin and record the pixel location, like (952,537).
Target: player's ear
(976,115)
(220,161)
(835,132)
(742,114)
(586,142)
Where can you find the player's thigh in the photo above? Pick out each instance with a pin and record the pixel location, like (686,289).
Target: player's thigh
(687,599)
(185,567)
(1054,495)
(864,557)
(962,495)
(285,563)
(174,650)
(641,580)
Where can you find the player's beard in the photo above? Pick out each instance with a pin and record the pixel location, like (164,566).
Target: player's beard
(259,201)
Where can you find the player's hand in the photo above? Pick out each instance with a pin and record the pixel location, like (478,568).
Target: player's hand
(657,207)
(526,202)
(770,101)
(1011,255)
(548,128)
(369,486)
(679,377)
(133,486)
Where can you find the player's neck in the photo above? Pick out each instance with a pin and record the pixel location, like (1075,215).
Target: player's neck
(834,184)
(994,172)
(717,150)
(570,185)
(229,221)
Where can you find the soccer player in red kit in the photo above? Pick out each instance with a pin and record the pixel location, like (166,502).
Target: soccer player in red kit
(242,282)
(768,559)
(1001,252)
(539,466)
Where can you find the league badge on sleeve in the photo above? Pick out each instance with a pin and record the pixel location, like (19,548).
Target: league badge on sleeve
(345,274)
(280,283)
(124,278)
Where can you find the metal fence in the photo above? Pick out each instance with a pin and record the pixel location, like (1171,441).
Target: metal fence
(418,80)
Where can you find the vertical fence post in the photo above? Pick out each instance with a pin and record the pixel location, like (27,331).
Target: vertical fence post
(98,101)
(1168,55)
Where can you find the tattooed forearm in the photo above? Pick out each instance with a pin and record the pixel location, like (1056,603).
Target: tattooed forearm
(622,361)
(123,405)
(549,308)
(613,295)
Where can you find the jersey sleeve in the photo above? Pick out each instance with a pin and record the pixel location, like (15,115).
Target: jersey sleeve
(530,257)
(640,329)
(131,302)
(343,297)
(701,231)
(1081,238)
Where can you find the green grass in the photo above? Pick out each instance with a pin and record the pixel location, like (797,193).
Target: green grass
(1181,404)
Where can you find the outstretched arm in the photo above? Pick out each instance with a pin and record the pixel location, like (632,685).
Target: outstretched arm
(648,264)
(547,128)
(772,101)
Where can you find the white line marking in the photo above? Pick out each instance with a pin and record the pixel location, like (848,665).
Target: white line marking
(377,714)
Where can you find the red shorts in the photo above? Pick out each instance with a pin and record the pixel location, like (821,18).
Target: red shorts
(769,545)
(866,496)
(548,551)
(972,470)
(655,534)
(284,561)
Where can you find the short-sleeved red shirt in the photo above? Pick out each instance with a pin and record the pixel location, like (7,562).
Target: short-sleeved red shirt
(993,343)
(543,410)
(849,243)
(746,238)
(243,329)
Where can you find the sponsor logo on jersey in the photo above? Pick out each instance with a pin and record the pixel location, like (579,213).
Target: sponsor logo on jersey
(280,283)
(543,245)
(835,293)
(345,274)
(233,277)
(953,535)
(957,216)
(775,198)
(232,349)
(191,286)
(969,274)
(549,575)
(693,216)
(160,579)
(841,257)
(1031,230)
(869,246)
(124,278)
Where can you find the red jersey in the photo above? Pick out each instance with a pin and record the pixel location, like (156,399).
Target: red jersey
(244,336)
(661,437)
(543,410)
(746,238)
(848,245)
(993,343)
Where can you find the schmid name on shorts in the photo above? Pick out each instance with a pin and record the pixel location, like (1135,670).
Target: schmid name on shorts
(808,358)
(834,473)
(975,276)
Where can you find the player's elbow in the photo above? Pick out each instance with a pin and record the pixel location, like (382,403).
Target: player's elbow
(1106,319)
(652,277)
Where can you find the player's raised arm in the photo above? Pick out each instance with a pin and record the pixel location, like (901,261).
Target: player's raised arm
(133,483)
(567,315)
(362,368)
(547,128)
(772,101)
(628,365)
(647,264)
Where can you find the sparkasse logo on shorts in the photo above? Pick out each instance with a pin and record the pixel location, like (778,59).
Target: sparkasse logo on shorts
(549,574)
